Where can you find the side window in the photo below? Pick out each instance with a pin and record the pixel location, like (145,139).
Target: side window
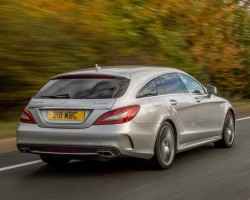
(160,87)
(148,90)
(173,84)
(192,85)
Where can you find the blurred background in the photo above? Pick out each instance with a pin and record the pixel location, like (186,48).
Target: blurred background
(41,38)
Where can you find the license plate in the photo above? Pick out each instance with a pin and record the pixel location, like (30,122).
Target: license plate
(72,115)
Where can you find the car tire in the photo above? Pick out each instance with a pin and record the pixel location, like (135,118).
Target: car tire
(228,133)
(54,161)
(165,147)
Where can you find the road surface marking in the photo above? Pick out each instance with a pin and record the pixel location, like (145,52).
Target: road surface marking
(242,118)
(20,165)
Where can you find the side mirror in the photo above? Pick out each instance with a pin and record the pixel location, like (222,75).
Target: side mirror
(211,89)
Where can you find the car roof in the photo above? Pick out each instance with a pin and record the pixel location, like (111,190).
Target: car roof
(127,71)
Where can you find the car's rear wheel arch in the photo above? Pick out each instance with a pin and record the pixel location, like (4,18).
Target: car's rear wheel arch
(165,146)
(174,128)
(175,131)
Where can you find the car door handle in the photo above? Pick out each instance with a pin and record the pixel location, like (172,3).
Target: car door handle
(173,102)
(197,99)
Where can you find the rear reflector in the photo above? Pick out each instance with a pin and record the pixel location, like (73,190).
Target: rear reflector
(118,116)
(27,117)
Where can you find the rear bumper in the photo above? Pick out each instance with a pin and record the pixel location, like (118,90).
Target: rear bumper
(128,139)
(71,151)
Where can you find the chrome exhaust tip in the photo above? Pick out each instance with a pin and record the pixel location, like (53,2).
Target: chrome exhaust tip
(24,149)
(105,153)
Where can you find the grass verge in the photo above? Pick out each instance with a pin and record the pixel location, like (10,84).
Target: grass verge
(8,129)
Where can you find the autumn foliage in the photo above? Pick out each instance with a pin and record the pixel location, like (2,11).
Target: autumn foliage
(40,38)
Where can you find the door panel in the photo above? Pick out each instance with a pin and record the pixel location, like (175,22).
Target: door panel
(209,113)
(181,105)
(182,108)
(208,109)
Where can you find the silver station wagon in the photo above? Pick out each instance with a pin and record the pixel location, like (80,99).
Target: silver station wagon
(144,112)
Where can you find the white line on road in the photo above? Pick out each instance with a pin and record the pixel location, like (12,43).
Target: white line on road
(242,119)
(20,165)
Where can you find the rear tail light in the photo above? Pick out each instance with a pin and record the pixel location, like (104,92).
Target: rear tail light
(118,116)
(27,117)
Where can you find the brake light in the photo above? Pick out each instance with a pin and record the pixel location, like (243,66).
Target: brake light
(118,116)
(27,117)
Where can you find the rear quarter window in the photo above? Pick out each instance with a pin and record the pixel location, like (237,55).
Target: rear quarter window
(148,90)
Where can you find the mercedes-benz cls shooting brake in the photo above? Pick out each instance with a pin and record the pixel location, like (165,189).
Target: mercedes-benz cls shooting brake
(144,112)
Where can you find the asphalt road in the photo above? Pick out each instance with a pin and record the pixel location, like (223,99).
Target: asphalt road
(202,173)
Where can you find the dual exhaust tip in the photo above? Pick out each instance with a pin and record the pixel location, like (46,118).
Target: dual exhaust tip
(105,153)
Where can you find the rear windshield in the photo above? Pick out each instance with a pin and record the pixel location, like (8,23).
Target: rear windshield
(84,88)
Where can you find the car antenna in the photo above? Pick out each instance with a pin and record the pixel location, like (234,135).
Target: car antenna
(97,67)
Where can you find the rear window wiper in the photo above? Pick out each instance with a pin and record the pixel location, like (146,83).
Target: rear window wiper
(58,96)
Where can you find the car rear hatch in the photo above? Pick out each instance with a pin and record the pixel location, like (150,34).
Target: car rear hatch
(76,101)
